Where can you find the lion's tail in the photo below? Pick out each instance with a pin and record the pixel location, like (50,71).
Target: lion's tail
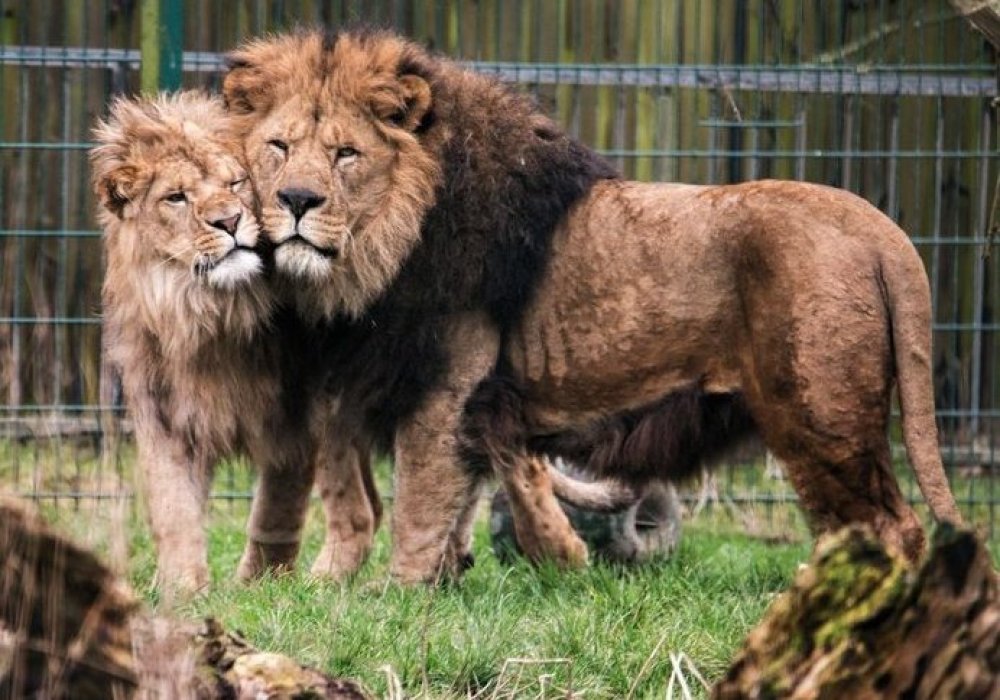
(909,306)
(603,496)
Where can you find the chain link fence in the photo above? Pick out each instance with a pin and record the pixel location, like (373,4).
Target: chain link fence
(892,99)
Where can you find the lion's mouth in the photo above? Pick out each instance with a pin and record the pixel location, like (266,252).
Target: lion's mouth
(297,238)
(204,265)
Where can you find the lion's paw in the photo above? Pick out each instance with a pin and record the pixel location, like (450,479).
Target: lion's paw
(259,558)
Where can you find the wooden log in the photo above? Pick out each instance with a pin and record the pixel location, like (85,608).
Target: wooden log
(64,618)
(857,623)
(984,15)
(207,662)
(69,628)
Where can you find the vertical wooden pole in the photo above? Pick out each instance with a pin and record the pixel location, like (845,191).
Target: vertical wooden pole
(161,44)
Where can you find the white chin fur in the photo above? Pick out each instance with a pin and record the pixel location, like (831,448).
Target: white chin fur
(238,268)
(298,260)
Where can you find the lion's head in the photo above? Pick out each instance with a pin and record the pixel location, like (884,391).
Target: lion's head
(180,233)
(174,194)
(330,133)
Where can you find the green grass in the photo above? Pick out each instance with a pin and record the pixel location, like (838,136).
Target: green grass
(598,632)
(504,631)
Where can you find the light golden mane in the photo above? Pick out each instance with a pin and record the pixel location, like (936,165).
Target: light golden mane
(139,142)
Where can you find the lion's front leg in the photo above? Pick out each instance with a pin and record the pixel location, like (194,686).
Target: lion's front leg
(352,506)
(175,490)
(432,489)
(280,503)
(431,511)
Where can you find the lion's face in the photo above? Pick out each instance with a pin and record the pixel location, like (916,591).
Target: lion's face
(198,217)
(320,182)
(342,178)
(178,197)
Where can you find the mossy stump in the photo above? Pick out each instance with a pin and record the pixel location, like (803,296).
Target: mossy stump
(858,623)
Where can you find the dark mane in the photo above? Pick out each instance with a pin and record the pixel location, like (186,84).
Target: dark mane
(509,176)
(670,439)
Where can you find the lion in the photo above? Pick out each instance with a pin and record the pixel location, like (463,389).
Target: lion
(190,325)
(491,292)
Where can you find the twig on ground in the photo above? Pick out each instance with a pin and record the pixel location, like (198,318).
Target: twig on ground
(521,664)
(394,687)
(677,673)
(645,666)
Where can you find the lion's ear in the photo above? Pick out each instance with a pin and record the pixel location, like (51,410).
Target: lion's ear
(245,88)
(417,95)
(405,106)
(116,188)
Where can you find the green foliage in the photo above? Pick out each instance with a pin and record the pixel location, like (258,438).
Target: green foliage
(503,631)
(598,628)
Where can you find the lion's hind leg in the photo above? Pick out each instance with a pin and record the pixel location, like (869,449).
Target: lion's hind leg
(835,491)
(541,526)
(494,437)
(830,430)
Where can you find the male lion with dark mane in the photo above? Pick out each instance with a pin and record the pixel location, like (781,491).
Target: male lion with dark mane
(188,324)
(490,292)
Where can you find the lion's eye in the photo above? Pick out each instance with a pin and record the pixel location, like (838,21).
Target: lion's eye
(236,185)
(346,152)
(175,198)
(278,145)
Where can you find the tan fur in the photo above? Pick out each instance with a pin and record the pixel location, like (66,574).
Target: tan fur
(430,519)
(396,177)
(804,299)
(198,361)
(351,502)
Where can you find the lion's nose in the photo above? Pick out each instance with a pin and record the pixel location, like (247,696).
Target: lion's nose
(228,225)
(299,201)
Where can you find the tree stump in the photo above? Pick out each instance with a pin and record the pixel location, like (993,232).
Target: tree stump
(69,628)
(857,623)
(649,529)
(64,618)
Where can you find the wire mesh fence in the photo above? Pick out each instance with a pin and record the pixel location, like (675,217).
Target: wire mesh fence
(892,99)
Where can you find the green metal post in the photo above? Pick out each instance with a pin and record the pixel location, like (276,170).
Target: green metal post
(161,43)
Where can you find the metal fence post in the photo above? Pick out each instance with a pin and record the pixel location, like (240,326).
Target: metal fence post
(161,44)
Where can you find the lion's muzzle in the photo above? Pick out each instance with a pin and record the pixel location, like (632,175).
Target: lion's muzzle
(228,224)
(330,253)
(299,200)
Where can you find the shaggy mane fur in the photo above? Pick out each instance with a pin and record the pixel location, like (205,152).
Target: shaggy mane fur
(671,439)
(145,295)
(503,175)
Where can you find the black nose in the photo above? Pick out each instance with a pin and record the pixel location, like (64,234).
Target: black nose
(228,225)
(299,201)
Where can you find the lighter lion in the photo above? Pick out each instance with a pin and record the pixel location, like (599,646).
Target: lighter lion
(188,323)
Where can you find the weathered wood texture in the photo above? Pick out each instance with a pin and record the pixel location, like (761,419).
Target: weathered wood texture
(984,15)
(64,618)
(858,624)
